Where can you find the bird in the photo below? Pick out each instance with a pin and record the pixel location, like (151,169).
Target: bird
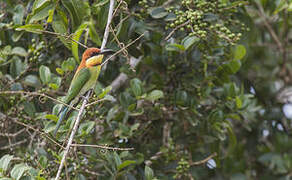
(83,80)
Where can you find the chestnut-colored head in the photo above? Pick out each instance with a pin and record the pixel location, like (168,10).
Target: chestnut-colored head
(92,57)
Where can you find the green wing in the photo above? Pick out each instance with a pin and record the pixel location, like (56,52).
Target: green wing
(77,83)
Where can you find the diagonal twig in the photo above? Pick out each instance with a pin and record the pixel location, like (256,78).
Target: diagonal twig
(38,94)
(204,160)
(103,147)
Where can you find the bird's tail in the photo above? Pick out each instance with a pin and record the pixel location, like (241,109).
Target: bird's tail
(61,117)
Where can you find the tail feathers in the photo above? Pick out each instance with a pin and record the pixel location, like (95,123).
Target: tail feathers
(61,117)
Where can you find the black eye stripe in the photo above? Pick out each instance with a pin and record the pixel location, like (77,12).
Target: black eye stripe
(93,54)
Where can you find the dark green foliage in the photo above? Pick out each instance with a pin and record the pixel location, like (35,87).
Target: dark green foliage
(209,83)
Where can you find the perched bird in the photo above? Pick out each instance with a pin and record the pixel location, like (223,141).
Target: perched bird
(84,79)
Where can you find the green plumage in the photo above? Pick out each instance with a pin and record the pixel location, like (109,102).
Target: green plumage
(82,81)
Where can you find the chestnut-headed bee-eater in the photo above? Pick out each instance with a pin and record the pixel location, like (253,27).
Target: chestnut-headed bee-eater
(84,79)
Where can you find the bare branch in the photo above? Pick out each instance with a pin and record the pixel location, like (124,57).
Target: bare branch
(176,28)
(63,35)
(38,131)
(38,94)
(121,49)
(262,14)
(103,147)
(14,134)
(204,160)
(107,29)
(74,130)
(13,145)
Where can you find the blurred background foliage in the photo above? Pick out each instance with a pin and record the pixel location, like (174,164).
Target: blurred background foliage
(209,80)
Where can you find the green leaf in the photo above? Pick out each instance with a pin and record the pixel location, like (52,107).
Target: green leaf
(51,15)
(149,175)
(125,164)
(16,36)
(158,12)
(232,137)
(239,52)
(52,117)
(40,11)
(86,127)
(69,64)
(20,51)
(283,4)
(29,108)
(117,159)
(175,47)
(60,25)
(45,74)
(32,80)
(4,162)
(6,50)
(18,14)
(50,127)
(77,11)
(155,95)
(16,66)
(181,97)
(238,102)
(76,37)
(112,113)
(189,41)
(104,92)
(126,99)
(43,160)
(60,71)
(18,170)
(93,34)
(234,66)
(34,28)
(136,86)
(170,17)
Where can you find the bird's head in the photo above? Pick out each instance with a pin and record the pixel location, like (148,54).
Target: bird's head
(93,56)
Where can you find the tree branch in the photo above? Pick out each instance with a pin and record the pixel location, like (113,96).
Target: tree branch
(76,124)
(262,14)
(204,160)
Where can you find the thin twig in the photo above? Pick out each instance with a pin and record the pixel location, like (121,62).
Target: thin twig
(103,147)
(121,45)
(121,49)
(95,102)
(13,145)
(38,94)
(176,28)
(109,20)
(204,160)
(14,134)
(74,130)
(63,35)
(262,14)
(38,131)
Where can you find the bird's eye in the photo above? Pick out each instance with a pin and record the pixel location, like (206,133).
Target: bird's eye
(94,54)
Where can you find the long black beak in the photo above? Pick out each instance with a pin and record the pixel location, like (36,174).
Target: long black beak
(107,51)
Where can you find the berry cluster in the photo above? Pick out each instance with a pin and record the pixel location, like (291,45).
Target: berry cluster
(35,50)
(203,18)
(182,169)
